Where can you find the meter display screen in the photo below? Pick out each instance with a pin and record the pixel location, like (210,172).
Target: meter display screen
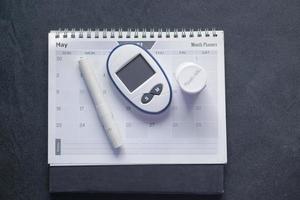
(135,73)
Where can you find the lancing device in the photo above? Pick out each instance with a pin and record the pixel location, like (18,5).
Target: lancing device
(103,110)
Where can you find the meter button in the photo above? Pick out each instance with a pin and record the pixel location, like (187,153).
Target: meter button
(146,98)
(156,90)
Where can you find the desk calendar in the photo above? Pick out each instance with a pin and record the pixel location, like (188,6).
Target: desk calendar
(191,131)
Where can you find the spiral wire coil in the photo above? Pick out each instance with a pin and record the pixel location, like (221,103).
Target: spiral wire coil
(135,33)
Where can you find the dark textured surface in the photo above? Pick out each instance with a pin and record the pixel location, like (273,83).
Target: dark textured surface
(262,52)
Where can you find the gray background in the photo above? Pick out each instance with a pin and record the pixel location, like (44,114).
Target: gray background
(262,88)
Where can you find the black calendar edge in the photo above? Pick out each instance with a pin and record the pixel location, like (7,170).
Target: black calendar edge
(152,179)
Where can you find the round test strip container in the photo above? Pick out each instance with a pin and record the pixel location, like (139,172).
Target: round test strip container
(191,77)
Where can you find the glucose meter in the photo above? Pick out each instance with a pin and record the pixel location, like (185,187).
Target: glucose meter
(139,77)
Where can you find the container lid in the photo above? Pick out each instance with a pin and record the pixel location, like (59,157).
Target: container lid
(191,77)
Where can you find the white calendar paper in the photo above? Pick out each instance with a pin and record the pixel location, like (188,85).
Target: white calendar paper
(191,131)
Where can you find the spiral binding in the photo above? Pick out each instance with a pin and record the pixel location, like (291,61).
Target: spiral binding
(135,33)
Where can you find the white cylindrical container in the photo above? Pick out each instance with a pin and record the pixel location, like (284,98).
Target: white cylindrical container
(191,77)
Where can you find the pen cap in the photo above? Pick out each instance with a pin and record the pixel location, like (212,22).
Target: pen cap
(191,77)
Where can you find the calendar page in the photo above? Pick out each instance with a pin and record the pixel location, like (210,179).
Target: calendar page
(191,131)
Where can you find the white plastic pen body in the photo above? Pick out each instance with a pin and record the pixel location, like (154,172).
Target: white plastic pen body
(102,108)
